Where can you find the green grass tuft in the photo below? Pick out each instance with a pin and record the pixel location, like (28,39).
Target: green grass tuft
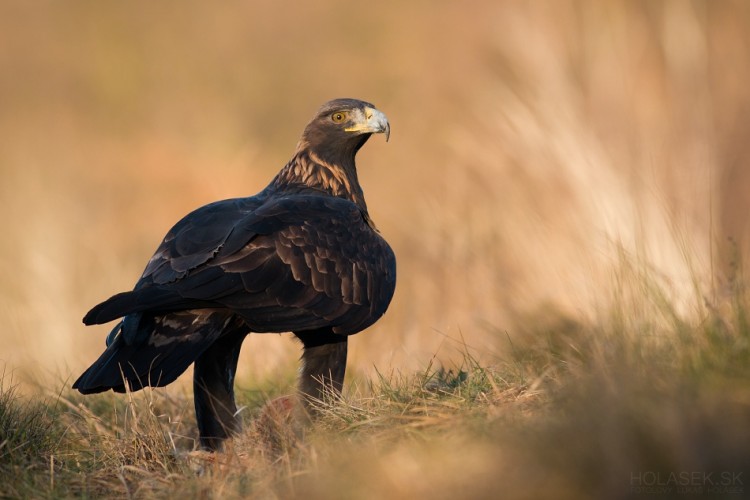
(29,443)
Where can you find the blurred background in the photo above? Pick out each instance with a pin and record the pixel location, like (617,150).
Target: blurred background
(539,151)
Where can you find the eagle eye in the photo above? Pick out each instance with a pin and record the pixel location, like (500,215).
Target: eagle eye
(338,116)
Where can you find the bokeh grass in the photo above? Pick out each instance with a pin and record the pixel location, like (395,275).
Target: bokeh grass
(533,146)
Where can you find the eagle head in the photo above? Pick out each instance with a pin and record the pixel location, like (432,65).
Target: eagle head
(342,126)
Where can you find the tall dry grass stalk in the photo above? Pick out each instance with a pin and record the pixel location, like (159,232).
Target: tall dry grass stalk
(540,151)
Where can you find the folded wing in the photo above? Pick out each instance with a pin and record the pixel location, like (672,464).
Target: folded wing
(289,263)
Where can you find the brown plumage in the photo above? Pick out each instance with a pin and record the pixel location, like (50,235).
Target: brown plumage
(301,256)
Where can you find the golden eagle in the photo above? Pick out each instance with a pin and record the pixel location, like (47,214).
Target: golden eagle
(301,256)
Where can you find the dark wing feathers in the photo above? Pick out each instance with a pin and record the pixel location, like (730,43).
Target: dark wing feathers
(124,303)
(196,239)
(284,264)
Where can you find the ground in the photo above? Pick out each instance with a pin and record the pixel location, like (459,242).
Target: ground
(585,411)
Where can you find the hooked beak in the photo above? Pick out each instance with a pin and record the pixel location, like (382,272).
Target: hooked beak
(371,121)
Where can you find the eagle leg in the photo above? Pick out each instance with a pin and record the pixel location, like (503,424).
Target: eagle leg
(213,390)
(323,365)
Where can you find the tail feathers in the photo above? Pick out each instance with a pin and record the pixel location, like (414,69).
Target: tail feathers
(122,364)
(171,343)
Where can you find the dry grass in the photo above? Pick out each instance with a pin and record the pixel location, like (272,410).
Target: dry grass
(585,411)
(566,190)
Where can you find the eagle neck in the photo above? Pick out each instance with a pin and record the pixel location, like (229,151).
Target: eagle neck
(308,170)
